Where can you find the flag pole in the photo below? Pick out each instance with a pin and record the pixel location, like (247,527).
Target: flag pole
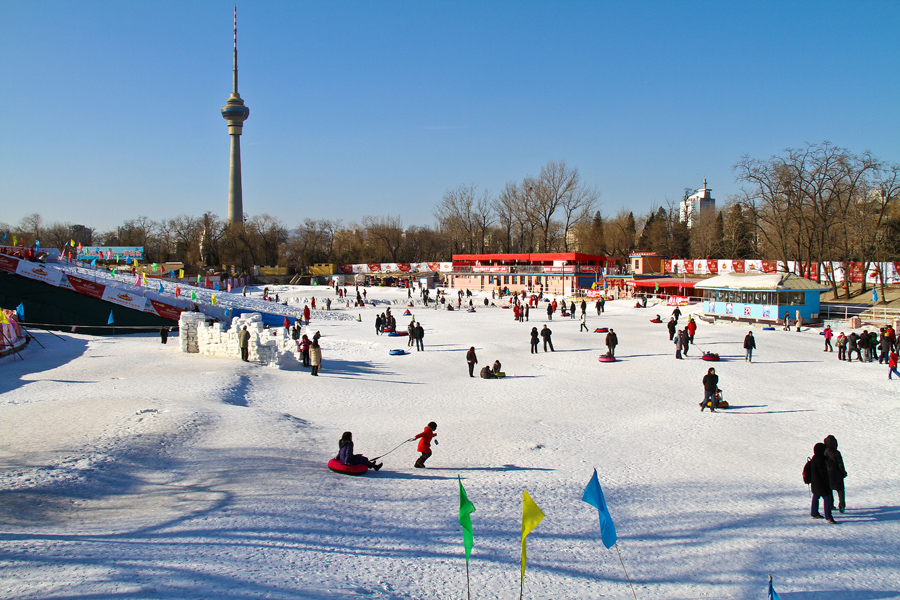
(626,572)
(468,587)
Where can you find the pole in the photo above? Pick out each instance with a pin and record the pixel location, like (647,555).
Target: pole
(626,572)
(468,587)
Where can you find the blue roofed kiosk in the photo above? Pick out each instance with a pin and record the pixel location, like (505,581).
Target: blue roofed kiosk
(760,298)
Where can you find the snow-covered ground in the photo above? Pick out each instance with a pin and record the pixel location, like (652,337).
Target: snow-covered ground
(131,470)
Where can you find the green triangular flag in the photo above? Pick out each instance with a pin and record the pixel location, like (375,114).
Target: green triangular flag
(466,508)
(193,296)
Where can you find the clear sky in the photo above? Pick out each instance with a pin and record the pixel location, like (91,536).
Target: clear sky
(111,108)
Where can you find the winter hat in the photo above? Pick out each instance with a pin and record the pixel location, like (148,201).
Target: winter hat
(432,426)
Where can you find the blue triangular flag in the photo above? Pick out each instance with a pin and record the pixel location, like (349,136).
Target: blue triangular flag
(20,310)
(94,262)
(161,289)
(593,495)
(110,320)
(217,286)
(37,244)
(773,595)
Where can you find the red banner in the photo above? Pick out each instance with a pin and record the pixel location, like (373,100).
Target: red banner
(9,263)
(668,264)
(346,269)
(434,266)
(86,286)
(166,311)
(856,272)
(689,266)
(737,266)
(375,267)
(404,267)
(712,266)
(770,266)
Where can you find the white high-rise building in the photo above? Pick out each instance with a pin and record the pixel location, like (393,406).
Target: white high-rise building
(693,205)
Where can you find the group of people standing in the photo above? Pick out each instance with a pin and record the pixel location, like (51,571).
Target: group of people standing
(825,474)
(868,346)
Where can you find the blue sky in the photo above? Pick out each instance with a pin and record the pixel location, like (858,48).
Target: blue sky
(111,109)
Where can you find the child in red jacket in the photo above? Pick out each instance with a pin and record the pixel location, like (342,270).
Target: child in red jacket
(425,444)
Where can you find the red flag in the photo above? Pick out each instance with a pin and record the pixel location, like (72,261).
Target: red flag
(177,291)
(206,282)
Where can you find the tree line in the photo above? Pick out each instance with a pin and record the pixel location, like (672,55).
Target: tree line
(809,205)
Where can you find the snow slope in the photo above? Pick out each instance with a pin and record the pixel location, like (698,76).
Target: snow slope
(131,470)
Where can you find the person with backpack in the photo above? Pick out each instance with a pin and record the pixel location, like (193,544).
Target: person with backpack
(816,474)
(836,472)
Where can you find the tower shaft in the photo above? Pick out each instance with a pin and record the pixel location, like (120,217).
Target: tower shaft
(235,113)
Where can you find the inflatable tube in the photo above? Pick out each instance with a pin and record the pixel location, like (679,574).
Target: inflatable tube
(506,307)
(471,310)
(768,329)
(406,313)
(710,356)
(339,467)
(500,374)
(398,333)
(387,329)
(656,320)
(397,351)
(602,330)
(607,359)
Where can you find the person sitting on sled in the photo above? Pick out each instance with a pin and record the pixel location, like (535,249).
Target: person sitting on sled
(346,457)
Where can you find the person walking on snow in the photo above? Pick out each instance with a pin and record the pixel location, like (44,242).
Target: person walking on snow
(672,326)
(534,340)
(549,312)
(420,336)
(545,334)
(315,357)
(583,326)
(472,360)
(820,485)
(749,346)
(892,364)
(425,444)
(676,314)
(612,340)
(710,387)
(828,334)
(691,329)
(836,472)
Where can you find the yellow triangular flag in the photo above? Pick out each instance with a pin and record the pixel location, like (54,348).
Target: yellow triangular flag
(531,518)
(180,273)
(3,318)
(144,277)
(72,243)
(214,300)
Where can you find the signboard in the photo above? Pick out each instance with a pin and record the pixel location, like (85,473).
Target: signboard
(39,271)
(111,252)
(8,263)
(561,269)
(491,269)
(166,311)
(86,286)
(123,298)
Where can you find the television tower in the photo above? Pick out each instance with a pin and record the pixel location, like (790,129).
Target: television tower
(235,113)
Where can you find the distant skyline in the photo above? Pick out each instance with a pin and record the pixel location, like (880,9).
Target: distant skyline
(112,109)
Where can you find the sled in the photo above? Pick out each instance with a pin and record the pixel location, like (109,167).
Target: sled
(602,330)
(339,467)
(710,356)
(398,352)
(606,358)
(398,333)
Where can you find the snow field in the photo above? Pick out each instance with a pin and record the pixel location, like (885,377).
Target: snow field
(129,468)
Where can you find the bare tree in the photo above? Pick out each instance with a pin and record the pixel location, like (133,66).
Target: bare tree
(386,236)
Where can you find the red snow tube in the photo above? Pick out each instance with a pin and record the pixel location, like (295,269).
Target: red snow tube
(602,330)
(398,333)
(607,359)
(339,467)
(656,320)
(710,356)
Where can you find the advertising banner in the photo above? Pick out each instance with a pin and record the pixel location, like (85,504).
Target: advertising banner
(677,301)
(166,311)
(86,286)
(123,298)
(8,263)
(737,266)
(40,272)
(562,269)
(111,252)
(490,269)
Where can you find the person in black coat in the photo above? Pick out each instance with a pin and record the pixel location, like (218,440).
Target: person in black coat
(672,326)
(546,333)
(164,334)
(853,346)
(749,347)
(836,472)
(612,340)
(472,360)
(534,340)
(676,314)
(685,338)
(819,484)
(710,387)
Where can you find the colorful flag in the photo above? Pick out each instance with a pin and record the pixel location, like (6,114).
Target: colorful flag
(4,321)
(37,243)
(14,240)
(79,246)
(228,287)
(593,495)
(137,279)
(110,320)
(177,291)
(144,278)
(94,262)
(218,286)
(199,278)
(161,288)
(113,271)
(193,296)
(180,273)
(466,508)
(20,311)
(531,518)
(72,243)
(4,236)
(773,595)
(214,301)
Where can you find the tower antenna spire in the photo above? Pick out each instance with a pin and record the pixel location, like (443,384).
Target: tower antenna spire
(235,51)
